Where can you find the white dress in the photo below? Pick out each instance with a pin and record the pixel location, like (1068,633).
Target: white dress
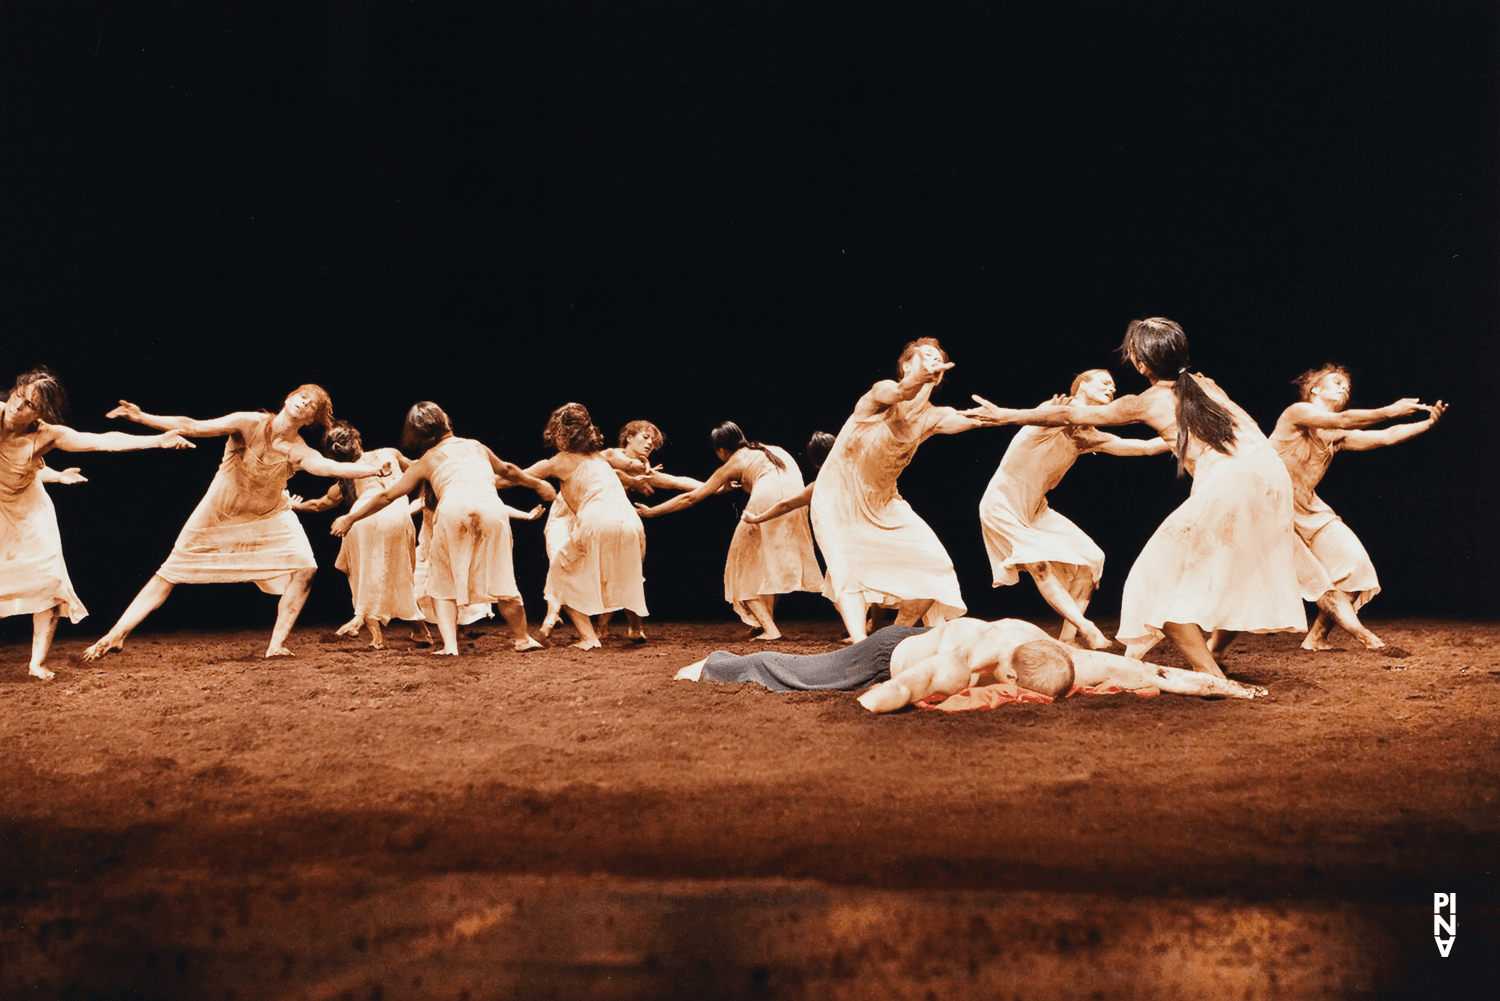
(1330,555)
(33,576)
(379,553)
(596,566)
(469,552)
(874,543)
(776,556)
(243,528)
(1019,527)
(1226,558)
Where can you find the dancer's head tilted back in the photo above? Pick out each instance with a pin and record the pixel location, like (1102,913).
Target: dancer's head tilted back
(1332,380)
(322,413)
(1094,387)
(728,439)
(1044,666)
(1159,349)
(39,388)
(911,349)
(570,429)
(425,426)
(818,447)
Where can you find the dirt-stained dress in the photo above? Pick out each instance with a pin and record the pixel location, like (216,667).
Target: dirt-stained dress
(469,552)
(776,556)
(33,576)
(1225,559)
(596,566)
(1019,526)
(873,542)
(243,528)
(379,553)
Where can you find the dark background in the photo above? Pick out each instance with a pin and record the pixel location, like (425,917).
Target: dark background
(699,212)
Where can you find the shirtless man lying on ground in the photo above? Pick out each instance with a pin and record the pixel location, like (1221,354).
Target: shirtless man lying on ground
(909,663)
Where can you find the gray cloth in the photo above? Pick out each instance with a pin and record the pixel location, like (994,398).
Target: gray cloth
(848,670)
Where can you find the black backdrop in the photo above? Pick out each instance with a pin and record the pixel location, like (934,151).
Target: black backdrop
(697,212)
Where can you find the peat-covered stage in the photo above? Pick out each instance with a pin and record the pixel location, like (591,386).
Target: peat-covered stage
(187,820)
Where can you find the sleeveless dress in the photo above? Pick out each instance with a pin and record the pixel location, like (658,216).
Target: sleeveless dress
(776,556)
(1329,554)
(874,543)
(1019,527)
(243,528)
(379,555)
(33,576)
(469,552)
(596,566)
(1226,558)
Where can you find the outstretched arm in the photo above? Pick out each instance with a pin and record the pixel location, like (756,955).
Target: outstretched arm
(515,476)
(1360,441)
(519,515)
(781,507)
(304,458)
(327,502)
(1115,445)
(889,392)
(731,470)
(219,426)
(1095,667)
(65,438)
(372,502)
(1307,415)
(1125,410)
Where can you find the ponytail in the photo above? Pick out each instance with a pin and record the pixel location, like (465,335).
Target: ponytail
(731,439)
(1161,347)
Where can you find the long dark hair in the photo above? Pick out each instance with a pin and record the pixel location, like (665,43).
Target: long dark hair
(570,429)
(425,426)
(731,439)
(1160,345)
(51,400)
(341,443)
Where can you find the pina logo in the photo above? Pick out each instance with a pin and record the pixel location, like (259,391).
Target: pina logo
(1444,926)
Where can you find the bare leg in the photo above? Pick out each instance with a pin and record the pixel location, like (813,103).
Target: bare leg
(1081,588)
(909,613)
(1189,641)
(635,628)
(149,600)
(588,639)
(287,610)
(1050,584)
(43,627)
(1337,606)
(445,611)
(377,641)
(1095,667)
(852,610)
(549,622)
(350,628)
(514,614)
(1219,640)
(604,621)
(760,607)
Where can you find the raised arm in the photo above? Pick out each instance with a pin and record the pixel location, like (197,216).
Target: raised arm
(1360,441)
(927,367)
(218,427)
(1308,415)
(781,507)
(65,438)
(731,470)
(515,476)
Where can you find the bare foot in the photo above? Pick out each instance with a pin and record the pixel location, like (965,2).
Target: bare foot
(101,648)
(639,637)
(521,646)
(445,653)
(753,632)
(1319,643)
(347,629)
(38,671)
(546,631)
(376,645)
(1096,639)
(767,636)
(278,650)
(692,672)
(587,645)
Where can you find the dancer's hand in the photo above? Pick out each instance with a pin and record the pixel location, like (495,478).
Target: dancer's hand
(293,499)
(1435,411)
(752,519)
(127,410)
(172,439)
(1409,405)
(994,412)
(535,513)
(644,511)
(72,474)
(929,364)
(341,525)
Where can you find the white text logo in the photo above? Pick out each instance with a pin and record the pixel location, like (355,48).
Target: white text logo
(1444,926)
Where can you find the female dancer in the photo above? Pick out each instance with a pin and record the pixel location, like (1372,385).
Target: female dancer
(818,447)
(1224,560)
(33,577)
(597,567)
(764,560)
(243,528)
(379,555)
(469,558)
(1022,533)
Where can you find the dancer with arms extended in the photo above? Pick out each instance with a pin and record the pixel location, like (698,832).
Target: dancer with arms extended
(243,529)
(764,560)
(878,551)
(379,554)
(1225,559)
(597,567)
(818,447)
(1021,533)
(469,553)
(1334,569)
(33,577)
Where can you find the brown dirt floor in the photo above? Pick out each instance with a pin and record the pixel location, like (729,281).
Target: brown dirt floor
(188,820)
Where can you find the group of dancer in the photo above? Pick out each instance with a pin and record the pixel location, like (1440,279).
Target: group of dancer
(1240,554)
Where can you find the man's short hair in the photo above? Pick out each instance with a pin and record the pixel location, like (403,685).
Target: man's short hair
(1044,666)
(1309,380)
